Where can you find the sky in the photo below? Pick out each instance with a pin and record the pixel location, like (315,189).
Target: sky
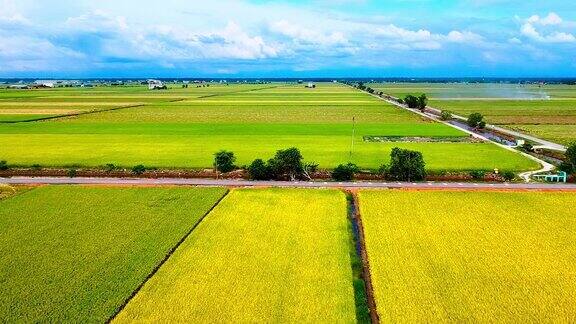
(262,39)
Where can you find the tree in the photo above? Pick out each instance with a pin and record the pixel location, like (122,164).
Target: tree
(571,154)
(345,172)
(569,166)
(446,115)
(411,101)
(224,161)
(414,102)
(476,120)
(309,168)
(406,165)
(258,170)
(286,163)
(3,166)
(422,102)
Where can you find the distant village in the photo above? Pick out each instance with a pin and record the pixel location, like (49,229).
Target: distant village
(153,84)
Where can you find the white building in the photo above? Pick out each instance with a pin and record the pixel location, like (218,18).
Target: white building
(156,85)
(45,83)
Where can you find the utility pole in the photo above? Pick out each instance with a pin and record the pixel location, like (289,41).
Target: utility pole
(353,137)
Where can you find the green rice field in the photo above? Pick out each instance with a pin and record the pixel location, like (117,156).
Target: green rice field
(547,111)
(183,128)
(257,257)
(471,256)
(75,254)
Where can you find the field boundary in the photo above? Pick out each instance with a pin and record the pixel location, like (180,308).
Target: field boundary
(166,257)
(354,209)
(222,94)
(81,113)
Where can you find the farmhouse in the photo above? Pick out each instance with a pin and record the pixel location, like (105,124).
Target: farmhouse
(19,86)
(156,85)
(44,84)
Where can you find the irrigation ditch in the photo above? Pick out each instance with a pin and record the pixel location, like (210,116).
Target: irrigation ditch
(362,281)
(166,257)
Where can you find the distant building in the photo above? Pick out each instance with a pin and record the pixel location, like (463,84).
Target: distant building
(19,86)
(44,84)
(156,85)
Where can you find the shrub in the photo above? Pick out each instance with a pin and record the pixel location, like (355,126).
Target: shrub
(36,167)
(258,170)
(345,172)
(139,169)
(407,165)
(383,170)
(446,115)
(476,120)
(3,166)
(224,161)
(72,173)
(527,147)
(508,175)
(477,174)
(110,167)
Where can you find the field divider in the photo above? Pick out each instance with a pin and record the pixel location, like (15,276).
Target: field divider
(222,94)
(166,257)
(367,291)
(73,114)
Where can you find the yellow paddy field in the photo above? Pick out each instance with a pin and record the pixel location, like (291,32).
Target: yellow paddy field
(471,256)
(260,256)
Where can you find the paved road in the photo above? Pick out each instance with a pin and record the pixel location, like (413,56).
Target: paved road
(541,142)
(283,184)
(527,176)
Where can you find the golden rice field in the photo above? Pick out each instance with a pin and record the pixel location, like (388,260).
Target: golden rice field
(471,256)
(260,256)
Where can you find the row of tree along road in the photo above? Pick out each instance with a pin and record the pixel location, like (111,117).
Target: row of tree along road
(289,164)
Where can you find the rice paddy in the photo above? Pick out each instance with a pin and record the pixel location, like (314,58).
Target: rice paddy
(471,256)
(182,128)
(75,254)
(259,256)
(547,111)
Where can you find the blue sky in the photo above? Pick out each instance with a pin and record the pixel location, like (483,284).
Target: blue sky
(259,38)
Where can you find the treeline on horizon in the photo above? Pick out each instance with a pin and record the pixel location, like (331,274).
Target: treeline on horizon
(569,81)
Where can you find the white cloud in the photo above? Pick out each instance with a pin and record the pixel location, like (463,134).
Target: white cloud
(308,35)
(97,21)
(551,19)
(551,29)
(423,39)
